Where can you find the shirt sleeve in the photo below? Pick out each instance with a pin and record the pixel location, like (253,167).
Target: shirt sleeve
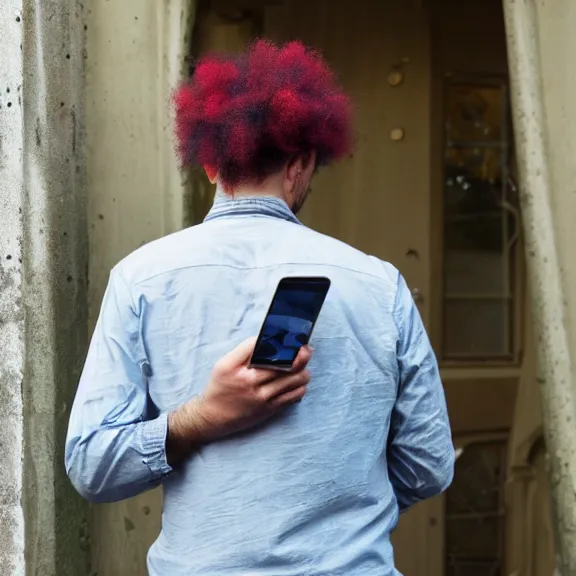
(420,448)
(115,446)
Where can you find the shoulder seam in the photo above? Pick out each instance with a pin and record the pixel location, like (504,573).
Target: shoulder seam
(247,268)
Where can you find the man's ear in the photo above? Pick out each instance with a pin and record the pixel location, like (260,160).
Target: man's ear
(212,174)
(294,169)
(299,166)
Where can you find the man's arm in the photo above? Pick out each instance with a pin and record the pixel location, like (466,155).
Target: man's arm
(116,447)
(420,449)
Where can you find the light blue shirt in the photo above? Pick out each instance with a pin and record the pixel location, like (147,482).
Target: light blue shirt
(317,490)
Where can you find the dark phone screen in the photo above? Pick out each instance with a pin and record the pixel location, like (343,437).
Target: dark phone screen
(290,320)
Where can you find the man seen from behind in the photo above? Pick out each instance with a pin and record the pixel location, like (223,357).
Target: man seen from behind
(264,473)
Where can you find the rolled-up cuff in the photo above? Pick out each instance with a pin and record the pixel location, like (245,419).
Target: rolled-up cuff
(153,440)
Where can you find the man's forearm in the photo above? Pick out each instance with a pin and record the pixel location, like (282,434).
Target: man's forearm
(186,432)
(235,399)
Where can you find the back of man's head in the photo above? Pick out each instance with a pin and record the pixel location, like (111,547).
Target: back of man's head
(246,117)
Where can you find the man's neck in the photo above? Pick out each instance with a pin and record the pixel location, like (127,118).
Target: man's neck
(251,191)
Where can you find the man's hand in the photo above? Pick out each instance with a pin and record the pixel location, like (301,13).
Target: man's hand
(236,398)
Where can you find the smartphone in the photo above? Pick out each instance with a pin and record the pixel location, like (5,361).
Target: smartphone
(289,322)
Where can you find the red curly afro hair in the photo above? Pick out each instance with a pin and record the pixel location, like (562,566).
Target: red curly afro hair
(246,116)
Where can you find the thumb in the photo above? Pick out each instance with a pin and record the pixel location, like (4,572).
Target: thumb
(241,354)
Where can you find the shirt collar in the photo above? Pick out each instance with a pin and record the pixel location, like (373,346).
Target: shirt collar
(226,206)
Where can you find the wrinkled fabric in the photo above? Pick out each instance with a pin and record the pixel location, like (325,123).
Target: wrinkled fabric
(317,490)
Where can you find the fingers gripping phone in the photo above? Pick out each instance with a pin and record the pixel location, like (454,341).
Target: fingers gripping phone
(289,322)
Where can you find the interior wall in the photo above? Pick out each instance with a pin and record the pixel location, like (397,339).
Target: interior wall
(470,36)
(367,199)
(136,54)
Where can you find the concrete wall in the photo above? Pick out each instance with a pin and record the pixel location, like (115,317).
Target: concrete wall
(43,250)
(11,306)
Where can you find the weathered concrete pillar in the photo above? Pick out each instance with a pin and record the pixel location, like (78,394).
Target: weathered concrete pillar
(11,306)
(540,40)
(43,263)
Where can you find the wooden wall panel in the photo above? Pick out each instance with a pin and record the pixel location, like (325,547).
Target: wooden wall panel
(378,199)
(481,404)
